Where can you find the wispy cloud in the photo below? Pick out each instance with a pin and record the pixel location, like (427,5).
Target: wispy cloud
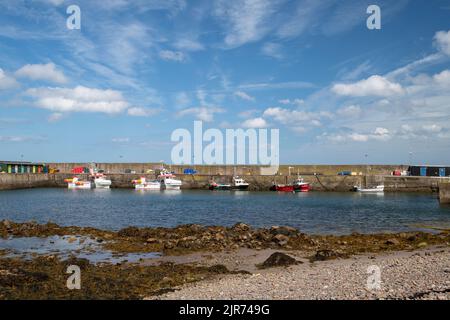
(244,96)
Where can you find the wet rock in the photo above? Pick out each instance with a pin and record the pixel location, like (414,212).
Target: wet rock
(129,232)
(241,227)
(287,231)
(325,254)
(151,240)
(281,239)
(219,237)
(71,239)
(169,245)
(189,238)
(392,242)
(218,268)
(422,245)
(278,259)
(6,224)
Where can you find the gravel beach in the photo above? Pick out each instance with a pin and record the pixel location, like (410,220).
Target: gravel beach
(421,274)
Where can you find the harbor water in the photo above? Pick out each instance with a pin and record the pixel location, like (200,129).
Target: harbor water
(313,213)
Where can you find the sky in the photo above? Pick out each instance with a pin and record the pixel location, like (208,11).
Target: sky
(115,89)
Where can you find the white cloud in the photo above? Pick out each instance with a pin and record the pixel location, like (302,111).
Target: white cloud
(201,113)
(244,96)
(442,78)
(255,123)
(299,117)
(272,50)
(442,41)
(432,128)
(247,113)
(20,138)
(352,111)
(120,140)
(52,2)
(79,99)
(55,117)
(188,45)
(172,55)
(246,20)
(358,137)
(379,134)
(46,72)
(277,85)
(373,86)
(7,82)
(142,112)
(182,99)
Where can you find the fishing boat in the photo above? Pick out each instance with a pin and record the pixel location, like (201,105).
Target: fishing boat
(143,184)
(377,189)
(219,186)
(76,183)
(167,180)
(282,188)
(300,185)
(101,181)
(239,183)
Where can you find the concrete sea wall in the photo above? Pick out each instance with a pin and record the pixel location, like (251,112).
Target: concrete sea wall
(444,193)
(250,170)
(257,182)
(10,181)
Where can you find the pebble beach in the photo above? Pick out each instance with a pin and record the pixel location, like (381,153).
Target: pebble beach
(423,274)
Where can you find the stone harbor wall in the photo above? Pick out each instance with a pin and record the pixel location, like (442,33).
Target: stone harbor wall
(257,182)
(444,193)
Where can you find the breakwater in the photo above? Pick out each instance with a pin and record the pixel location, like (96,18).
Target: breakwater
(257,182)
(243,170)
(444,193)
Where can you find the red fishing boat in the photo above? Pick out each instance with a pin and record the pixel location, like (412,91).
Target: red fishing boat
(298,185)
(282,187)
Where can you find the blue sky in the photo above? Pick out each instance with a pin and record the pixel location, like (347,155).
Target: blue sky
(137,70)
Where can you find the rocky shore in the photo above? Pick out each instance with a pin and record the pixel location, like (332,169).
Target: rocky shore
(238,255)
(193,238)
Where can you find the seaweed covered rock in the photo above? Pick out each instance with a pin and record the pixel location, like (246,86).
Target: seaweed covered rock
(325,254)
(278,259)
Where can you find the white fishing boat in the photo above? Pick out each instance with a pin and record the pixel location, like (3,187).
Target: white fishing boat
(143,184)
(168,181)
(101,181)
(239,183)
(76,183)
(377,189)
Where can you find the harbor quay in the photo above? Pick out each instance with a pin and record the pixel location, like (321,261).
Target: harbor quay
(444,193)
(339,178)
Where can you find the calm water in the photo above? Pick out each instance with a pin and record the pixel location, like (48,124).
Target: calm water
(314,212)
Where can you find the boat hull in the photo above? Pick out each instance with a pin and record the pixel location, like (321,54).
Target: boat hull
(172,187)
(219,187)
(80,186)
(240,188)
(302,188)
(379,189)
(147,187)
(103,184)
(171,184)
(282,188)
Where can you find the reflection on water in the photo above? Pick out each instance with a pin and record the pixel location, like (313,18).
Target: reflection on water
(313,212)
(64,247)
